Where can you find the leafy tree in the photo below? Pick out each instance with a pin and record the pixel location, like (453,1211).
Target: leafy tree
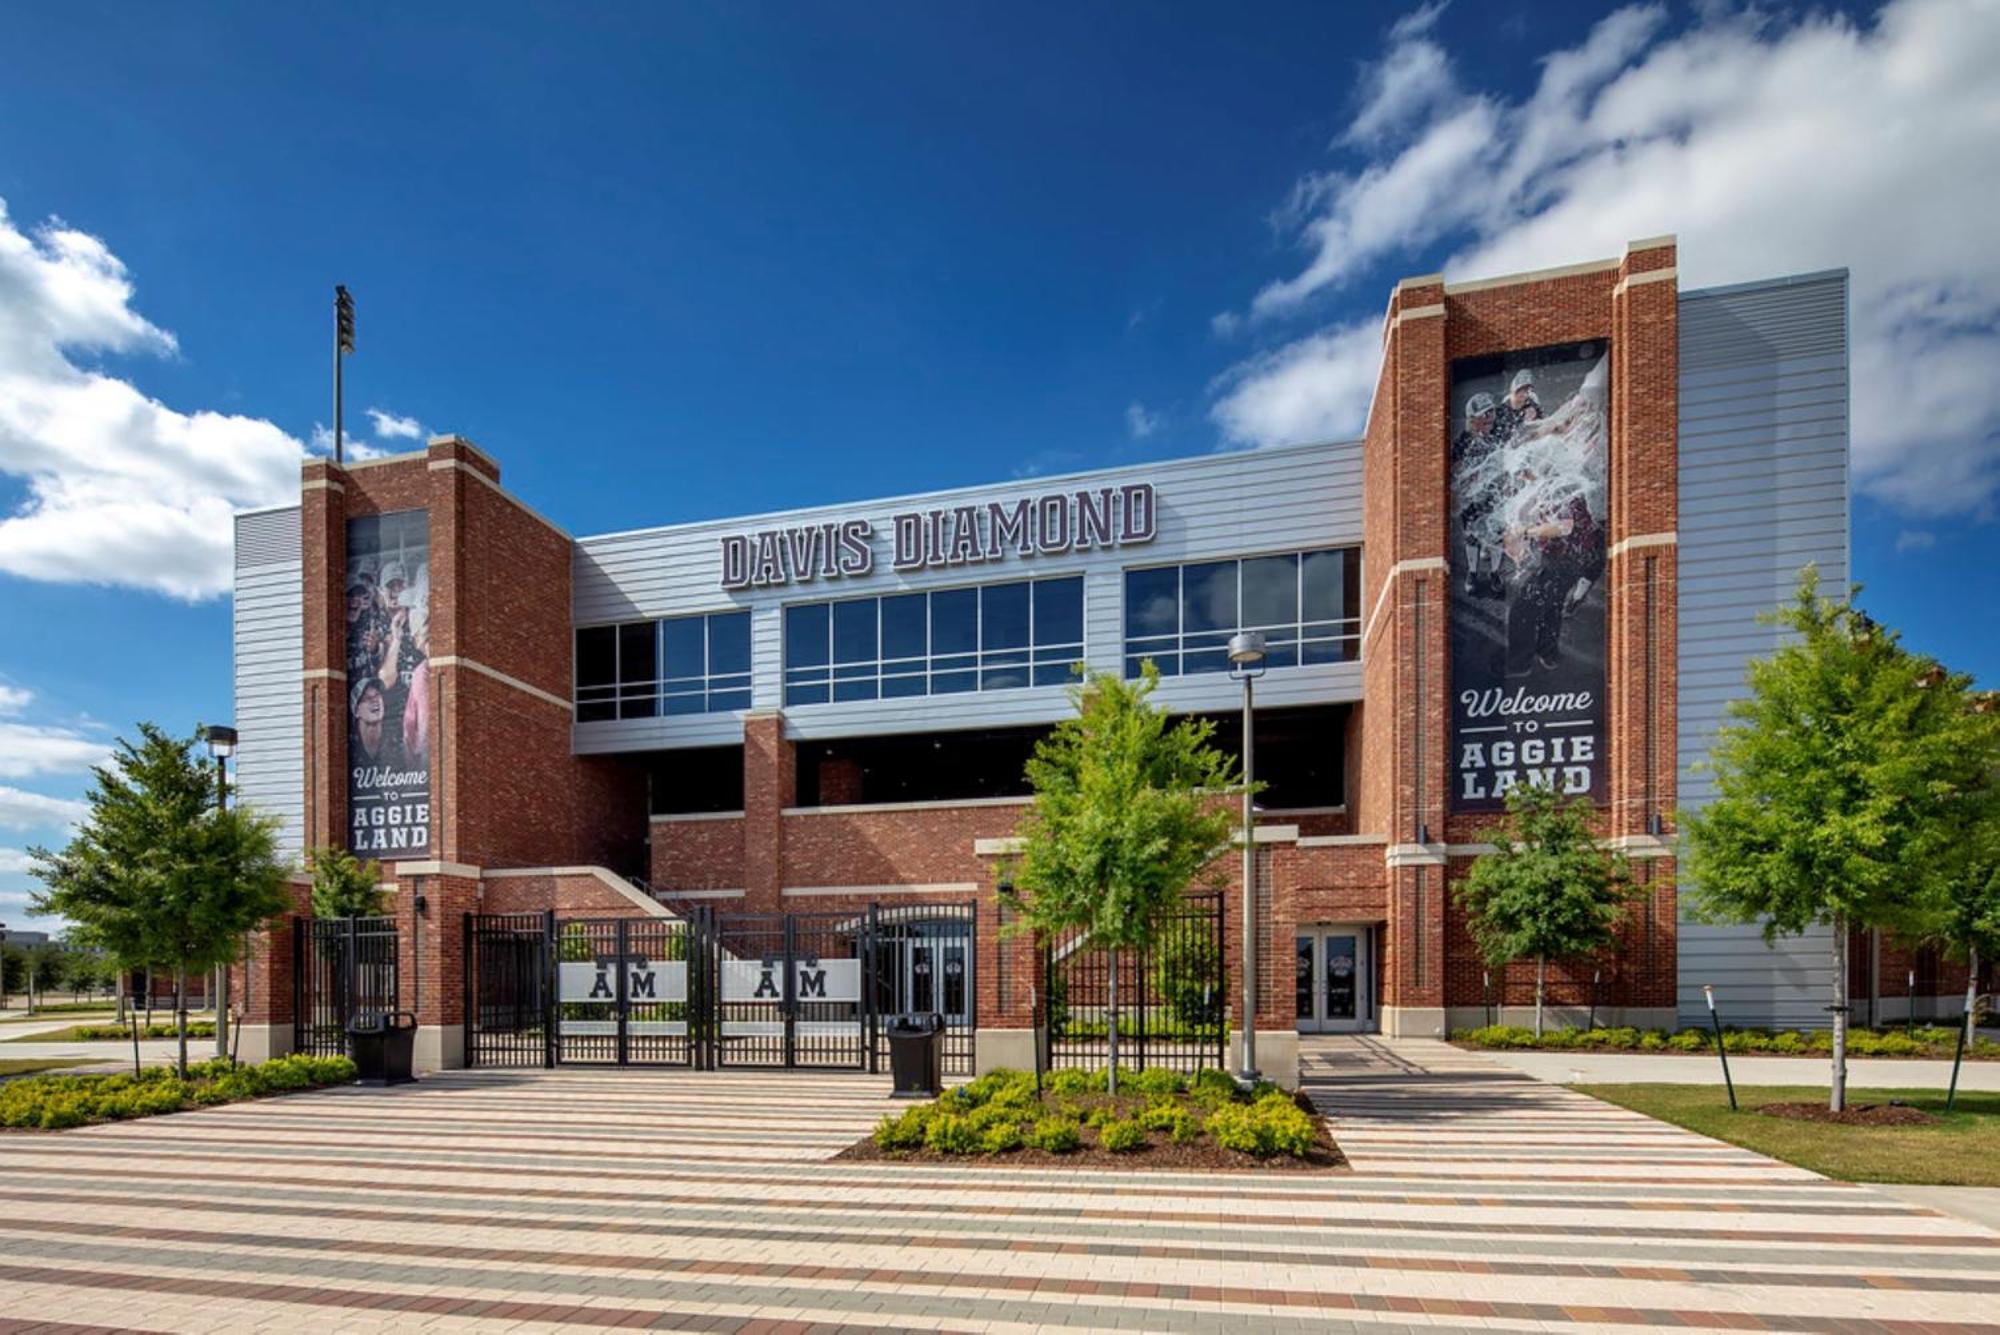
(1968,923)
(49,969)
(158,873)
(1125,817)
(1841,786)
(343,886)
(1548,891)
(13,969)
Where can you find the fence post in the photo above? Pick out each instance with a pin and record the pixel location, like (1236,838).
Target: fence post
(548,992)
(871,935)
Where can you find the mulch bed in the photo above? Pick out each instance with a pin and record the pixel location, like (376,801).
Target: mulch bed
(1204,1156)
(1857,1114)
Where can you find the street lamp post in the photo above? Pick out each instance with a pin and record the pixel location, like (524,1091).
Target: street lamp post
(221,745)
(1246,664)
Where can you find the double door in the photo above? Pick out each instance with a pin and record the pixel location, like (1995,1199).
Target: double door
(1336,979)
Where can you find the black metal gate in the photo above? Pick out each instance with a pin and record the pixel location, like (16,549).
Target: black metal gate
(796,991)
(340,966)
(1172,1000)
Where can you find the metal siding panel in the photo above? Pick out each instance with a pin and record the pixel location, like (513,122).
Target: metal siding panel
(1763,490)
(1213,506)
(268,633)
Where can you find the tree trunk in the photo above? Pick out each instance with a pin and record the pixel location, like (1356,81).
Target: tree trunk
(135,1040)
(181,1017)
(1541,981)
(1837,1098)
(1971,996)
(1111,1078)
(119,984)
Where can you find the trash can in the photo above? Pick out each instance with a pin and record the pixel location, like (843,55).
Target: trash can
(916,1055)
(382,1044)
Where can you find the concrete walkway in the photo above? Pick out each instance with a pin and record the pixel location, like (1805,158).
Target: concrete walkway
(1647,1068)
(581,1199)
(106,1055)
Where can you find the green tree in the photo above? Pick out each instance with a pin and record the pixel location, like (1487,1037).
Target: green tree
(1126,815)
(1841,781)
(1547,891)
(343,886)
(159,873)
(1968,922)
(13,969)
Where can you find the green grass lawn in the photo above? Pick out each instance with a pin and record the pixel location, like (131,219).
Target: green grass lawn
(1962,1150)
(93,1033)
(30,1065)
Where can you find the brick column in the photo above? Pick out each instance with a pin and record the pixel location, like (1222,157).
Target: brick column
(431,957)
(769,786)
(260,984)
(323,534)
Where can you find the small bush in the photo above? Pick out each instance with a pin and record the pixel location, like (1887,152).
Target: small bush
(904,1132)
(1001,1138)
(949,1133)
(1158,1082)
(1270,1126)
(1070,1082)
(1101,1115)
(1057,1135)
(1122,1136)
(1691,1040)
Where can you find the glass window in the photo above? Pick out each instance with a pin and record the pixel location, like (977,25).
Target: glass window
(985,638)
(729,644)
(685,649)
(638,670)
(682,665)
(596,673)
(1305,603)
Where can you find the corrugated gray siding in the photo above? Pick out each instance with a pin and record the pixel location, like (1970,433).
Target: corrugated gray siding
(1218,505)
(269,632)
(1763,491)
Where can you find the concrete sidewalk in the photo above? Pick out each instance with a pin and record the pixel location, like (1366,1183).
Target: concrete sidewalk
(105,1054)
(1648,1068)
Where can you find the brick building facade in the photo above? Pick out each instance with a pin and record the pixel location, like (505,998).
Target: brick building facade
(826,710)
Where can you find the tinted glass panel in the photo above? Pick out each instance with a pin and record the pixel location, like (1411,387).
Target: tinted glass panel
(806,636)
(1322,585)
(685,651)
(1152,601)
(728,643)
(1004,616)
(597,656)
(955,621)
(854,631)
(1059,611)
(1208,596)
(903,625)
(636,654)
(1271,591)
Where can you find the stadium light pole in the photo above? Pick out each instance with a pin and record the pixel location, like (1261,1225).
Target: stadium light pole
(1246,664)
(221,745)
(343,344)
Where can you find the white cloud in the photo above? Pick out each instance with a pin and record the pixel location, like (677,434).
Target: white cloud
(391,427)
(23,810)
(1412,78)
(1915,540)
(13,861)
(121,488)
(1316,388)
(1769,148)
(28,749)
(1139,422)
(13,699)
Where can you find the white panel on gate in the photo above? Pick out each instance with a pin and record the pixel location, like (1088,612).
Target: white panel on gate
(814,980)
(584,980)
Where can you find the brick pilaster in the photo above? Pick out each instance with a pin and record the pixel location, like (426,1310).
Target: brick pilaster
(769,784)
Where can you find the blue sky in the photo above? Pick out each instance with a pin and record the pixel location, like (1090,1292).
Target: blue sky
(668,262)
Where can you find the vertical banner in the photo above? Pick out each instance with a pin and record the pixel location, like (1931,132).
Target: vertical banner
(388,684)
(1530,439)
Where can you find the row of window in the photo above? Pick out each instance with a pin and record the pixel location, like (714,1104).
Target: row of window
(987,637)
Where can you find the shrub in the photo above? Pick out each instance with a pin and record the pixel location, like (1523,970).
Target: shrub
(1690,1040)
(1158,1082)
(1001,1138)
(999,1086)
(903,1132)
(1101,1114)
(1070,1081)
(1123,1136)
(1057,1135)
(1652,1040)
(1269,1126)
(949,1133)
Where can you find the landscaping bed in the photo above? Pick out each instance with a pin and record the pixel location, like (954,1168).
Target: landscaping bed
(112,1033)
(1960,1148)
(53,1102)
(1932,1041)
(21,1066)
(1158,1119)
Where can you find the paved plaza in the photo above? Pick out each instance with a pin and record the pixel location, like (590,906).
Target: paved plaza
(671,1200)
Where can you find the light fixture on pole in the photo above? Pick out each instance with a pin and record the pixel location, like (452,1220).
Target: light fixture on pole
(222,745)
(343,344)
(1246,664)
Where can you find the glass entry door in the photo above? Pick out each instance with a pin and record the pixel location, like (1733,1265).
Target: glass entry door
(1335,980)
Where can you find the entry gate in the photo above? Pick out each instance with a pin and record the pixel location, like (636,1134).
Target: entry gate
(715,991)
(340,966)
(1172,1007)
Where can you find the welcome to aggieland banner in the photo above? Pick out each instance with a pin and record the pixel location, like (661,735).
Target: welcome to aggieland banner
(388,683)
(1531,432)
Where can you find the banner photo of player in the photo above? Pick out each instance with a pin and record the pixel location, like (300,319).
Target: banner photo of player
(388,683)
(1529,446)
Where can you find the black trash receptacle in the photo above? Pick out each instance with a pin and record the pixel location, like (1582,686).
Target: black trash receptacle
(382,1044)
(916,1055)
